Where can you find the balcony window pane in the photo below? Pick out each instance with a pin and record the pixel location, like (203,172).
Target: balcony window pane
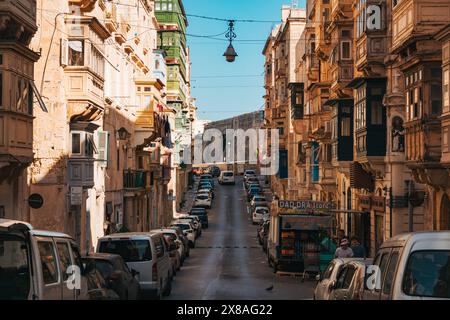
(377,113)
(76,143)
(345,50)
(76,53)
(345,127)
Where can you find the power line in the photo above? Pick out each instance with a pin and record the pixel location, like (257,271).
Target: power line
(229,76)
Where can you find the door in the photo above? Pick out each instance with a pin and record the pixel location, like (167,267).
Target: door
(50,277)
(65,260)
(82,293)
(337,293)
(324,285)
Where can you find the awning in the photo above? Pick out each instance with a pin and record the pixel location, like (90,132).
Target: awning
(358,81)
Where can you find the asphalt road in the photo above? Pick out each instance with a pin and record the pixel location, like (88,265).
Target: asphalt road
(228,263)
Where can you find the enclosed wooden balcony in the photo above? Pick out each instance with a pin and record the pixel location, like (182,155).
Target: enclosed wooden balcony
(413,19)
(18,20)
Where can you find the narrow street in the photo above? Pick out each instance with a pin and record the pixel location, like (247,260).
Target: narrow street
(228,263)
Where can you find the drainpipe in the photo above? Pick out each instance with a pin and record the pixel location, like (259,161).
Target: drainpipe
(410,207)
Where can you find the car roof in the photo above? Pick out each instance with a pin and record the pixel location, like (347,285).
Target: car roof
(261,207)
(421,236)
(138,235)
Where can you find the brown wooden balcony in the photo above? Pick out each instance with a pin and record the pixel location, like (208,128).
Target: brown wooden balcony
(133,179)
(413,19)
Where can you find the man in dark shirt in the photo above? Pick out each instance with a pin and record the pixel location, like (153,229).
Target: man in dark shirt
(358,250)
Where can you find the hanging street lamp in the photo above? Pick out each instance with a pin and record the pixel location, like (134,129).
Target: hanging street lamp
(230,54)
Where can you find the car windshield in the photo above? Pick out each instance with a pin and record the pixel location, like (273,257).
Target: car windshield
(129,250)
(202,197)
(228,174)
(104,267)
(427,274)
(262,211)
(14,268)
(250,173)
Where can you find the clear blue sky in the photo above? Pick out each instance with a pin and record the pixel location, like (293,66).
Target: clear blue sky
(227,96)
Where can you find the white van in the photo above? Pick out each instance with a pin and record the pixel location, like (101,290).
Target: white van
(33,264)
(413,266)
(227,177)
(145,253)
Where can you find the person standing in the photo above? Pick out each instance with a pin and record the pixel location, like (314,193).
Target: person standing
(344,251)
(358,250)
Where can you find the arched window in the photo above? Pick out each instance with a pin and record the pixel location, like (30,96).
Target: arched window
(445,213)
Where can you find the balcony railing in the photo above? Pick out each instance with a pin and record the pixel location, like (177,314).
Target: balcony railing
(134,179)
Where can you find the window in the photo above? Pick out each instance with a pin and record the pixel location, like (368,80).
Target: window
(346,50)
(327,273)
(76,143)
(64,259)
(76,53)
(382,264)
(97,64)
(159,246)
(445,89)
(346,127)
(427,274)
(341,278)
(48,262)
(15,275)
(390,273)
(129,250)
(376,113)
(436,99)
(348,277)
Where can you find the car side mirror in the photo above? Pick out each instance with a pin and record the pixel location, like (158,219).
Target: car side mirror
(318,277)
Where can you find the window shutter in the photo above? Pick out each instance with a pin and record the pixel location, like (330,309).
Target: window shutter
(103,146)
(64,52)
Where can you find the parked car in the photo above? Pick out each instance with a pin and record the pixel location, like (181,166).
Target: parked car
(188,231)
(327,280)
(206,190)
(203,200)
(202,216)
(33,264)
(251,180)
(146,253)
(207,177)
(172,234)
(253,191)
(413,266)
(259,214)
(227,177)
(249,173)
(215,171)
(197,171)
(205,185)
(184,240)
(174,255)
(97,286)
(196,223)
(350,282)
(116,273)
(262,230)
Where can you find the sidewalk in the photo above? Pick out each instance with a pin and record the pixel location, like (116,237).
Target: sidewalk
(189,199)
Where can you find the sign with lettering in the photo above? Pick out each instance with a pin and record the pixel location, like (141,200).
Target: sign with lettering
(305,205)
(306,222)
(76,196)
(373,17)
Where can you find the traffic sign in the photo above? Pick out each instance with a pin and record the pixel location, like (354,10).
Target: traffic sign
(35,201)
